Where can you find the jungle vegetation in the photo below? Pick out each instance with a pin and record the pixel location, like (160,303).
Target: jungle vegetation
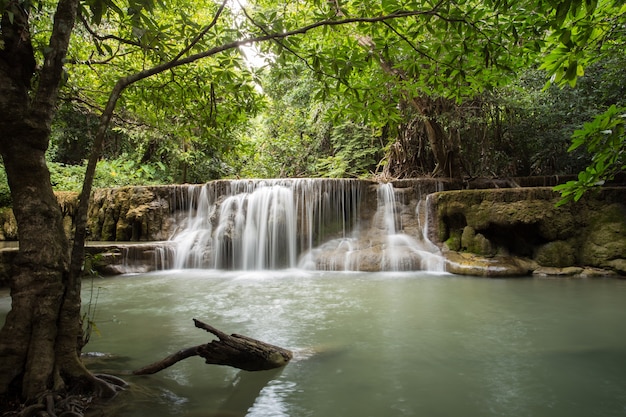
(401,105)
(114,92)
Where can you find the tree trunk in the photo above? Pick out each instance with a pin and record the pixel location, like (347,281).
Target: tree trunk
(38,342)
(37,286)
(445,146)
(445,149)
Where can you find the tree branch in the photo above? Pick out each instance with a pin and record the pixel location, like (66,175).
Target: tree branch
(167,361)
(51,73)
(203,32)
(233,350)
(99,37)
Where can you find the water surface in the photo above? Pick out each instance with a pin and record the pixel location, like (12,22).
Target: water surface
(385,344)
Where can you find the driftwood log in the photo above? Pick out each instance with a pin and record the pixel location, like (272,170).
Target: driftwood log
(233,350)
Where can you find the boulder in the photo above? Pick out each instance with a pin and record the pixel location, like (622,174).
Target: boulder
(604,244)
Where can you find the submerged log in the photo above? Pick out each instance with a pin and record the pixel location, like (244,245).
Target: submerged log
(233,350)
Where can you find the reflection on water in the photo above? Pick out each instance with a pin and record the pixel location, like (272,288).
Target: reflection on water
(389,344)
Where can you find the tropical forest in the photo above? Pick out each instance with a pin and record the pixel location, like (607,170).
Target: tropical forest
(337,180)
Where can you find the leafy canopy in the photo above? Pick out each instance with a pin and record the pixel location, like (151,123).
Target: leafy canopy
(368,57)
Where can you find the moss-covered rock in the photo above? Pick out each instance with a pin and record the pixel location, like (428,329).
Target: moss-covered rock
(605,240)
(453,243)
(526,223)
(570,271)
(556,254)
(134,213)
(476,243)
(495,266)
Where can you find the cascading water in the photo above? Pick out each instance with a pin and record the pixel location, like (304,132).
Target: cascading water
(301,223)
(262,224)
(402,252)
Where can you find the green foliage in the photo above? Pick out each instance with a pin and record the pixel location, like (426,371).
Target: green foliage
(122,171)
(605,139)
(297,135)
(5,192)
(109,173)
(529,127)
(333,90)
(579,36)
(289,135)
(186,119)
(73,130)
(354,152)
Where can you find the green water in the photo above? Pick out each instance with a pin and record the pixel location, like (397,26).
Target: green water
(392,344)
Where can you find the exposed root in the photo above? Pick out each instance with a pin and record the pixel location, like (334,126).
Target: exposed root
(68,404)
(117,383)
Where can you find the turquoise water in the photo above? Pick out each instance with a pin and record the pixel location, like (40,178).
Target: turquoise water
(368,344)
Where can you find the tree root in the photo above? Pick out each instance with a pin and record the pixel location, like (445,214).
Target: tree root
(65,404)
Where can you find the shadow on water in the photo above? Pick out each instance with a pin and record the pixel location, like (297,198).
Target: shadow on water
(157,395)
(148,395)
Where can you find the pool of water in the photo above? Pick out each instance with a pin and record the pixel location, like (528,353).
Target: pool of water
(367,344)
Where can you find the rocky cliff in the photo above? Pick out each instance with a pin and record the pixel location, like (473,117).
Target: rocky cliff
(520,230)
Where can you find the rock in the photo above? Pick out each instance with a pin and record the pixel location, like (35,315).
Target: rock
(135,213)
(597,273)
(558,272)
(618,265)
(499,229)
(605,243)
(497,266)
(526,223)
(557,254)
(476,243)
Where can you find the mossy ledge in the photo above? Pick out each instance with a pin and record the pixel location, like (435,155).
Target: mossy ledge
(521,231)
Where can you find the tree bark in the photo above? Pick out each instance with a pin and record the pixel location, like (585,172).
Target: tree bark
(38,342)
(232,350)
(445,146)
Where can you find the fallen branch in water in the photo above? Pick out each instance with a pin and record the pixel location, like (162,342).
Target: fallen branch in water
(233,350)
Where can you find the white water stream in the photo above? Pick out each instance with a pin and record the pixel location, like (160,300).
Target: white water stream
(401,249)
(300,223)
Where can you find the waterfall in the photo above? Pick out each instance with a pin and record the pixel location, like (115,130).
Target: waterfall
(401,251)
(262,224)
(303,223)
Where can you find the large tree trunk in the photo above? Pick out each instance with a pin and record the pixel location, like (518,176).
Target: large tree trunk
(38,343)
(38,281)
(445,146)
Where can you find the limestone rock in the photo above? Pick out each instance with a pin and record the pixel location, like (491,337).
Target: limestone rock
(476,242)
(557,254)
(605,243)
(525,223)
(558,272)
(497,266)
